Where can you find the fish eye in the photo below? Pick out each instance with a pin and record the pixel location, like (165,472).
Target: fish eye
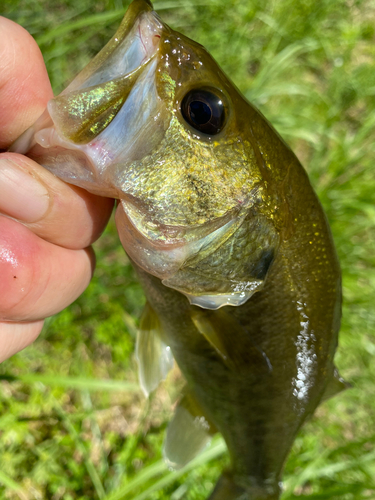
(204,110)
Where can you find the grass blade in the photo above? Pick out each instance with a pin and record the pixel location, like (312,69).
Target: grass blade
(12,485)
(63,29)
(148,473)
(214,451)
(80,383)
(94,476)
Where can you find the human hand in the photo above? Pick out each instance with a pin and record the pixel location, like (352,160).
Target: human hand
(46,226)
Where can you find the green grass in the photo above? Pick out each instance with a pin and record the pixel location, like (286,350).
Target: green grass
(73,424)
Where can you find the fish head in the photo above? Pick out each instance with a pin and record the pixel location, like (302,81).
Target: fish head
(154,122)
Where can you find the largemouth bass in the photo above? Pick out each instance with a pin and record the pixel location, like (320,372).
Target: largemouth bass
(226,233)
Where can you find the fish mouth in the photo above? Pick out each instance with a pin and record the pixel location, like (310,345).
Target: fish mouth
(92,120)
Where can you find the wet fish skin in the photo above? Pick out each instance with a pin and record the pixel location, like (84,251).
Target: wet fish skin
(294,319)
(208,220)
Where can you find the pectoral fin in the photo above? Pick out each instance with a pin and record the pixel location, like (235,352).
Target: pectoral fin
(188,433)
(230,340)
(155,358)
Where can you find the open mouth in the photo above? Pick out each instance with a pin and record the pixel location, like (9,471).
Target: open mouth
(93,118)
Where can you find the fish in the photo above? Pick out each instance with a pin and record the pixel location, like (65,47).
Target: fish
(226,233)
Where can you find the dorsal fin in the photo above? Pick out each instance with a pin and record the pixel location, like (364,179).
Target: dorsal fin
(155,358)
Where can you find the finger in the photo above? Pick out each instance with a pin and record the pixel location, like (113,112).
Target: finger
(57,212)
(16,336)
(38,279)
(24,85)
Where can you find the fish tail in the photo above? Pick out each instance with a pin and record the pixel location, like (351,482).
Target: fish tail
(228,488)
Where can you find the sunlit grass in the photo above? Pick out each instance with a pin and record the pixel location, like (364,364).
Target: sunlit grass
(72,422)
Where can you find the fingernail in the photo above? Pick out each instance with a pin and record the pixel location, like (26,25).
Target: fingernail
(22,196)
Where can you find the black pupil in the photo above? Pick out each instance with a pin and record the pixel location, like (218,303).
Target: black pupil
(200,112)
(204,110)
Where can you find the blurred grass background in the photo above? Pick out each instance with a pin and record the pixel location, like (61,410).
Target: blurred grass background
(73,422)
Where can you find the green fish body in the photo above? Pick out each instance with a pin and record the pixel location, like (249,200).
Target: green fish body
(230,242)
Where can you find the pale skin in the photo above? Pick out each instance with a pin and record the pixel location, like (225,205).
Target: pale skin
(46,226)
